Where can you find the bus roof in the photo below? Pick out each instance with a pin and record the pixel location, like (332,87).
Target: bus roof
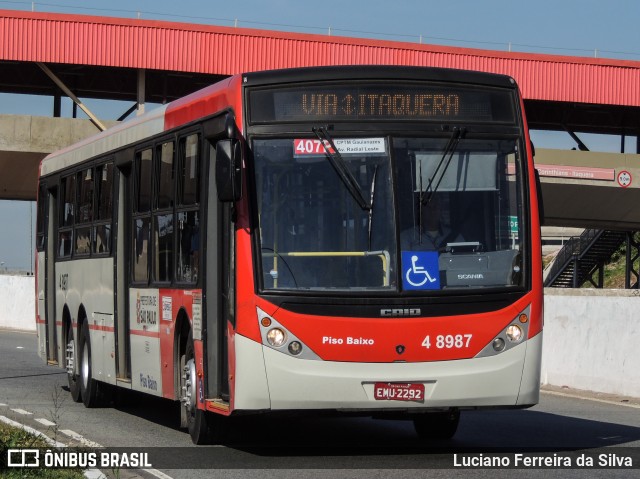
(378,72)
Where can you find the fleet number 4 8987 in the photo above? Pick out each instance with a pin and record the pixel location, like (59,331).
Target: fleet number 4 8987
(448,341)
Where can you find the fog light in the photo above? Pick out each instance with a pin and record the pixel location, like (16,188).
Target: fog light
(514,333)
(276,337)
(295,348)
(498,344)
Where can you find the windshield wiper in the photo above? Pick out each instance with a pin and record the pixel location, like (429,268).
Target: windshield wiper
(338,163)
(449,149)
(373,189)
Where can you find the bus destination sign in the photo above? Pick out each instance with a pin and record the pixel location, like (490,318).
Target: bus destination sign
(380,102)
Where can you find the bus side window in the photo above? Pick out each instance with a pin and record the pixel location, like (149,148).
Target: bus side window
(141,232)
(188,246)
(84,181)
(67,211)
(189,192)
(64,240)
(67,215)
(163,212)
(41,218)
(104,209)
(188,237)
(142,216)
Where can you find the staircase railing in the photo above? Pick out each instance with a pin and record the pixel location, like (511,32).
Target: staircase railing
(572,250)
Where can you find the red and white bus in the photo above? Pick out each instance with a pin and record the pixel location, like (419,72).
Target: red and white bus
(361,240)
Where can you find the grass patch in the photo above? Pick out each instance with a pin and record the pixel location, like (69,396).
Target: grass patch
(13,437)
(614,273)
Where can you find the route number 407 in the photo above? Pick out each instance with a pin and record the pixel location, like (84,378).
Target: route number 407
(448,341)
(311,147)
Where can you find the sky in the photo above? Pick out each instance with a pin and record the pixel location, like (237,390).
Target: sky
(589,28)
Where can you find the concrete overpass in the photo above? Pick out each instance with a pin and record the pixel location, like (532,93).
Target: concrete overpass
(590,190)
(25,140)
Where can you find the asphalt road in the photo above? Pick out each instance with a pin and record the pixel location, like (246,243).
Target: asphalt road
(327,447)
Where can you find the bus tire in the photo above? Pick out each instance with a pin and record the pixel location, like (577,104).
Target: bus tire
(203,427)
(93,392)
(437,426)
(71,358)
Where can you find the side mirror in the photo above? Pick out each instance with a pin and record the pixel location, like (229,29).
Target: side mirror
(229,170)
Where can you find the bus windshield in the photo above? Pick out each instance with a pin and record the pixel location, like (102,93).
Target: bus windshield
(451,220)
(313,231)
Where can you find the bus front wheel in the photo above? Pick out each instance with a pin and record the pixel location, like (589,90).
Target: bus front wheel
(203,427)
(437,426)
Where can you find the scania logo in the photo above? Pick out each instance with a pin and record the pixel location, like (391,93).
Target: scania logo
(397,312)
(471,276)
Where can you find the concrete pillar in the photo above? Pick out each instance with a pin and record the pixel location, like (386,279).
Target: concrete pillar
(141,91)
(57,105)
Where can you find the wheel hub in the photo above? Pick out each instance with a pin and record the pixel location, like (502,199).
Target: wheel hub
(71,357)
(188,398)
(84,366)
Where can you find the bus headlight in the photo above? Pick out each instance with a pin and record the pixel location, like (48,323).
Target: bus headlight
(514,333)
(276,337)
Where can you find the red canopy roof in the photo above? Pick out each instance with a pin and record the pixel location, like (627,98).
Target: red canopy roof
(159,45)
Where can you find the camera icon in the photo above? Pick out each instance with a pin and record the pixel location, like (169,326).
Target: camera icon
(23,458)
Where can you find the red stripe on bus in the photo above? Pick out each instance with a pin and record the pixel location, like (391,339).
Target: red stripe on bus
(149,334)
(102,328)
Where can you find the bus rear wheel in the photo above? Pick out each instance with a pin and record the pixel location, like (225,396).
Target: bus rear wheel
(93,393)
(71,358)
(437,426)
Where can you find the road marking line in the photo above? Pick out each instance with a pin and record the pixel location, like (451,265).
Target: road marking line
(79,438)
(604,401)
(94,474)
(158,474)
(45,422)
(33,431)
(3,404)
(22,411)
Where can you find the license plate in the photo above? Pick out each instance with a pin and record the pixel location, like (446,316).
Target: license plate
(398,392)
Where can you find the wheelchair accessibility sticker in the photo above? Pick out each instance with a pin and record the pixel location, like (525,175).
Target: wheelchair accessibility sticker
(420,270)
